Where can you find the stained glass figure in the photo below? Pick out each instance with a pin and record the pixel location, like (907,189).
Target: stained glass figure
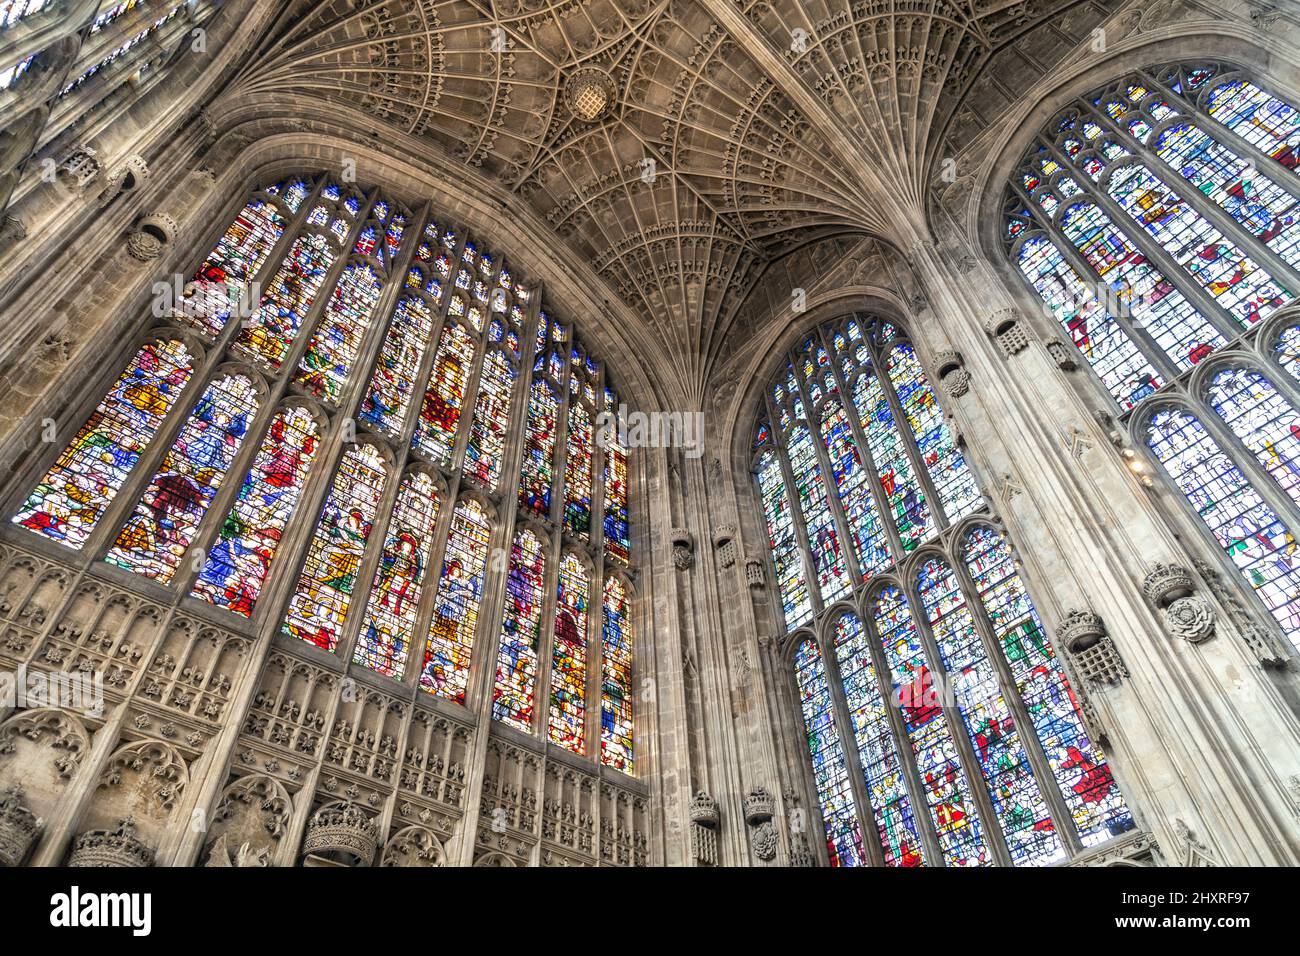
(521,633)
(616,678)
(568,708)
(445,671)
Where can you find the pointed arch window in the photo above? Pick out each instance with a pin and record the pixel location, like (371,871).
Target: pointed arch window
(379,381)
(939,719)
(1158,218)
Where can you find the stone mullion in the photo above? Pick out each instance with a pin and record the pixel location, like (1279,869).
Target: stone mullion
(800,526)
(910,440)
(1200,117)
(830,487)
(546,642)
(320,471)
(921,810)
(780,667)
(1211,212)
(215,355)
(843,720)
(979,787)
(1151,350)
(872,473)
(1010,690)
(595,644)
(1213,313)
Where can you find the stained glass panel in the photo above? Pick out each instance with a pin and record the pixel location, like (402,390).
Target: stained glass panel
(491,421)
(444,398)
(68,502)
(521,632)
(321,600)
(785,550)
(616,679)
(456,603)
(238,564)
(324,367)
(569,656)
(388,628)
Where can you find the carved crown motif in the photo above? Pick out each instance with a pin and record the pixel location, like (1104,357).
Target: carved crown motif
(1080,630)
(704,810)
(343,829)
(1166,583)
(759,806)
(18,827)
(119,847)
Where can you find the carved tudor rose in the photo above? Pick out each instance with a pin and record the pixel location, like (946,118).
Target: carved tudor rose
(1188,616)
(683,549)
(759,807)
(952,373)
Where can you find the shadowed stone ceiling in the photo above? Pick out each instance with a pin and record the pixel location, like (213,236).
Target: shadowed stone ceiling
(767,125)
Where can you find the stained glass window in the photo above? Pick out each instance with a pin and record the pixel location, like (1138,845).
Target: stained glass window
(616,678)
(320,602)
(160,530)
(68,502)
(456,603)
(1157,220)
(569,655)
(322,374)
(239,562)
(521,633)
(950,757)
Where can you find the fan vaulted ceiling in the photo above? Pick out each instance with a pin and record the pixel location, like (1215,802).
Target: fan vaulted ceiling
(679,146)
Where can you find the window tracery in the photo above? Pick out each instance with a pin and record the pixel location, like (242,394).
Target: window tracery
(334,401)
(939,718)
(1157,220)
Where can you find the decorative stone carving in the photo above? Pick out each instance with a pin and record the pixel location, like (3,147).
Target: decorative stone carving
(125,177)
(1188,616)
(120,847)
(1193,852)
(1065,357)
(79,169)
(754,573)
(704,825)
(152,233)
(1191,618)
(1007,331)
(342,831)
(18,827)
(1259,635)
(1095,655)
(1167,582)
(1135,848)
(683,549)
(724,542)
(952,373)
(245,856)
(590,94)
(759,807)
(414,846)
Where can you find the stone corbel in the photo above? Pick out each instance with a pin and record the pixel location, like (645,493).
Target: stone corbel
(1095,655)
(952,373)
(1008,331)
(1186,615)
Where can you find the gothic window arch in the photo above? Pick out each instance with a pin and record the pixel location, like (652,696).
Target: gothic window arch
(357,426)
(1158,218)
(943,730)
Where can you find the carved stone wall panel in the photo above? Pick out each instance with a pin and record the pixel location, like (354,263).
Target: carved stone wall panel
(143,782)
(41,750)
(249,821)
